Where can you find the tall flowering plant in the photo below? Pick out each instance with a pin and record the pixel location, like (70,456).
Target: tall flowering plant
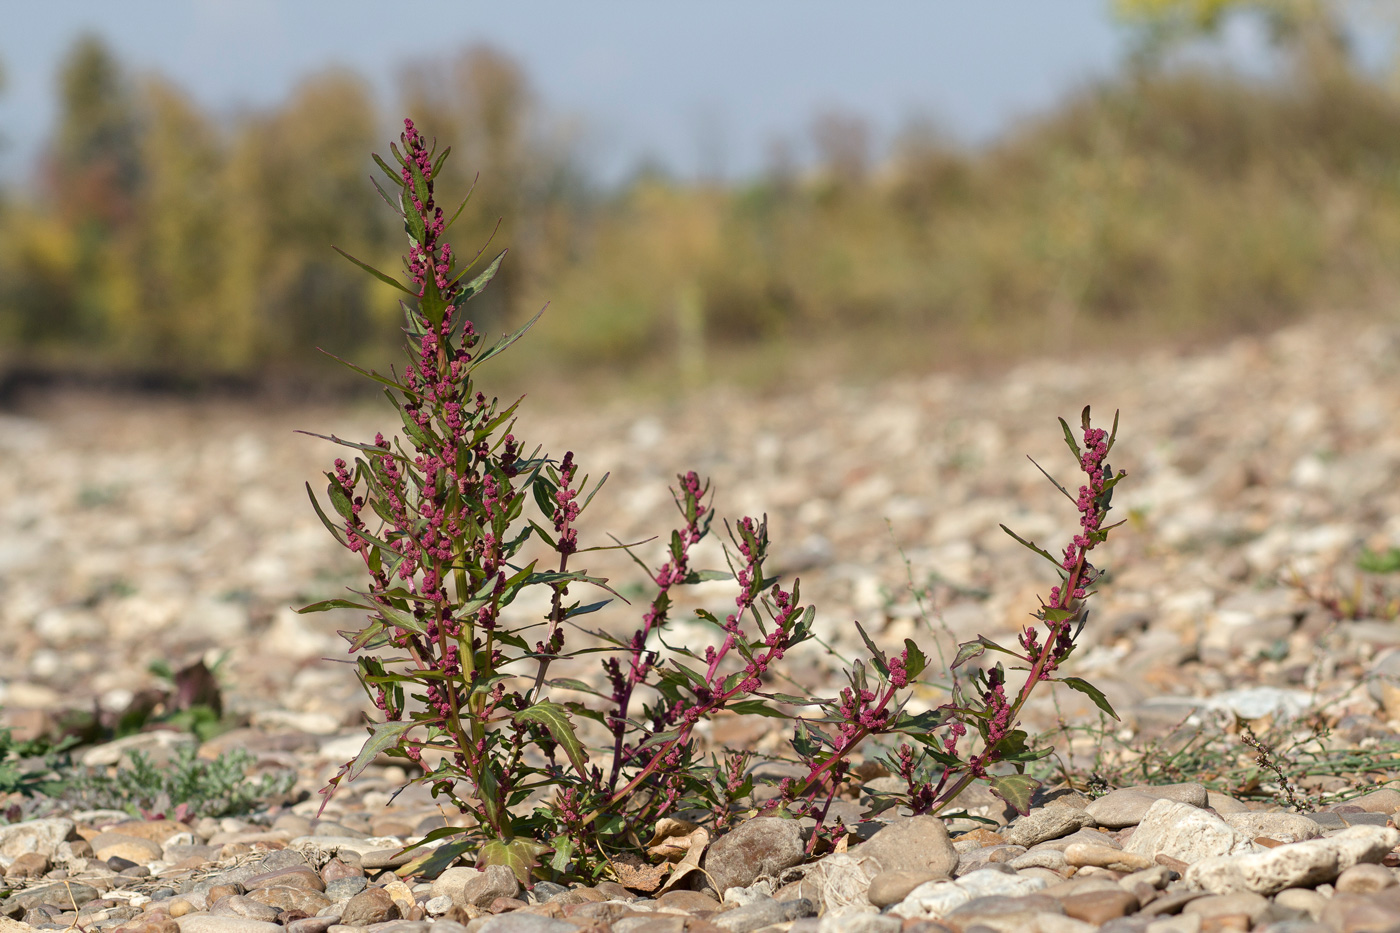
(453,521)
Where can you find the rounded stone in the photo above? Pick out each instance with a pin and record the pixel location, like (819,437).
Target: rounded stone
(470,887)
(1365,878)
(1099,907)
(765,846)
(373,905)
(132,848)
(892,886)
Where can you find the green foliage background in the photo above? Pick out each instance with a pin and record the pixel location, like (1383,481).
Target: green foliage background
(1161,203)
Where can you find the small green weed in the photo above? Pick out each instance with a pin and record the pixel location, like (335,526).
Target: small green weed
(186,788)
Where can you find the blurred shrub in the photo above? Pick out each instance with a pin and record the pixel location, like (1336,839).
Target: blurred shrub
(1160,203)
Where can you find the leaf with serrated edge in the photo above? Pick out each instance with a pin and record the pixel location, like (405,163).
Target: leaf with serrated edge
(555,719)
(1016,789)
(519,855)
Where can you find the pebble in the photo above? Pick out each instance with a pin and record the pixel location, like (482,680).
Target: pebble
(756,847)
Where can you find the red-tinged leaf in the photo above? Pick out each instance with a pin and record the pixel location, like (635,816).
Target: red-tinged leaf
(1016,789)
(916,661)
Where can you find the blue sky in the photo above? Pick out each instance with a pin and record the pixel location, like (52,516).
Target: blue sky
(695,85)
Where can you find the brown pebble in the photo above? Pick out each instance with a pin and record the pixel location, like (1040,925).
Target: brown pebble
(178,907)
(926,926)
(372,905)
(28,865)
(1175,864)
(982,838)
(220,891)
(614,891)
(336,870)
(502,905)
(1099,907)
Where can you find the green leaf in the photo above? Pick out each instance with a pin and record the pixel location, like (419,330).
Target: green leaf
(916,662)
(340,500)
(500,345)
(564,848)
(966,652)
(336,532)
(1016,789)
(702,576)
(1069,439)
(1090,691)
(382,736)
(519,855)
(381,276)
(431,864)
(327,604)
(585,610)
(877,657)
(755,708)
(555,719)
(487,274)
(1033,546)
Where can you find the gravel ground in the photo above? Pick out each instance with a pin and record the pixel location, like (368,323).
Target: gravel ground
(139,531)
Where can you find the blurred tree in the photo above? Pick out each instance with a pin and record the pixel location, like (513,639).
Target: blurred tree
(162,289)
(481,104)
(1311,30)
(53,285)
(296,182)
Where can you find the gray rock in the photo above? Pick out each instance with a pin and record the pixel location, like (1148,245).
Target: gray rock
(64,896)
(763,913)
(313,924)
(1046,823)
(345,888)
(916,843)
(42,836)
(437,906)
(468,886)
(1385,800)
(987,856)
(1184,832)
(764,846)
(1128,805)
(543,891)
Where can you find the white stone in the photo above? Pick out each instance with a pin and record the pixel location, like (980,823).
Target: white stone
(1184,832)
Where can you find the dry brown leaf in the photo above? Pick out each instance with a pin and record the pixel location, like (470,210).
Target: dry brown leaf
(696,843)
(670,835)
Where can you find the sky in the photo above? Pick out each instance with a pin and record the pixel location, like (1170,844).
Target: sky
(701,88)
